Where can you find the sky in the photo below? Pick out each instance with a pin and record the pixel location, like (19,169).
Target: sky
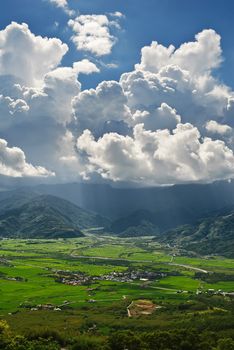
(125,92)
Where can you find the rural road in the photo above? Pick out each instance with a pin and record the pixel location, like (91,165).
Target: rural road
(189,267)
(106,258)
(143,261)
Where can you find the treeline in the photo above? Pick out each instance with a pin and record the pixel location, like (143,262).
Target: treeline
(175,339)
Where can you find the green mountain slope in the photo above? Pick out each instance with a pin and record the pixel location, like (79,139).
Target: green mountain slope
(214,235)
(30,215)
(139,223)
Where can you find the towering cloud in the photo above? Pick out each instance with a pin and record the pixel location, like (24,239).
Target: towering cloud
(35,96)
(94,107)
(168,98)
(168,121)
(28,57)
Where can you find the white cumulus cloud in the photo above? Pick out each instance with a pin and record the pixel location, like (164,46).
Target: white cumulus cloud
(117,14)
(86,67)
(94,107)
(197,57)
(26,56)
(163,117)
(149,127)
(92,33)
(213,127)
(13,163)
(64,5)
(157,158)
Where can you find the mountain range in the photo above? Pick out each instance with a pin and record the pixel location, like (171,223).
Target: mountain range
(198,217)
(28,214)
(184,203)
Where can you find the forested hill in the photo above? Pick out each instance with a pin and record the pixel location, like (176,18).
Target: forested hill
(213,235)
(29,215)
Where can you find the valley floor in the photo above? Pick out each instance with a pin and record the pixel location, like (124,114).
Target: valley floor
(86,285)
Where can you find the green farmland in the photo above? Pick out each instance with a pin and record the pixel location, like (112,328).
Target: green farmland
(33,287)
(28,261)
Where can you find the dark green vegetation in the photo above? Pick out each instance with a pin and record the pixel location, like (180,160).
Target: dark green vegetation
(214,235)
(139,223)
(176,339)
(29,215)
(193,294)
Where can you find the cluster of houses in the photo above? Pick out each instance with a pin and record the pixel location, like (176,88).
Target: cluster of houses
(130,276)
(5,262)
(76,278)
(215,292)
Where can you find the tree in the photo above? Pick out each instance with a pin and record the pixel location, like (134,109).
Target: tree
(225,344)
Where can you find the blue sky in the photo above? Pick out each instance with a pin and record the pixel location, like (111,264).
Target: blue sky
(122,91)
(166,21)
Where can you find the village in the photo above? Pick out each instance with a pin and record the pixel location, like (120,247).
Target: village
(79,278)
(129,276)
